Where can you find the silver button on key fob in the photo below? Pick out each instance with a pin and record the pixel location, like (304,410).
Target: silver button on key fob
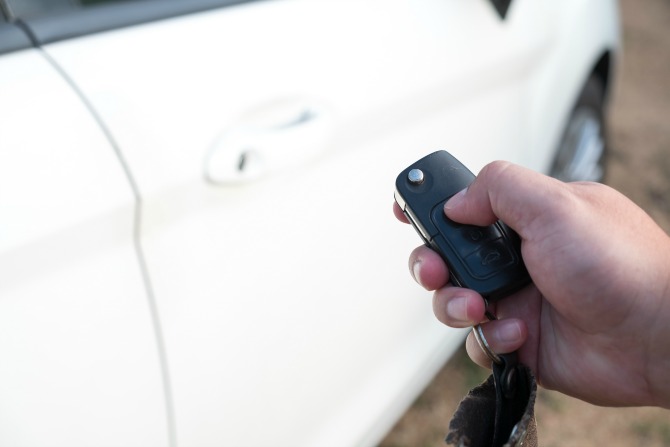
(485,259)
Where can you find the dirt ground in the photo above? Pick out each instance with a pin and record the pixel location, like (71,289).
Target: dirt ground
(639,166)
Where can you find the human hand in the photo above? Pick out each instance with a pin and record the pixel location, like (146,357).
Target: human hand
(595,323)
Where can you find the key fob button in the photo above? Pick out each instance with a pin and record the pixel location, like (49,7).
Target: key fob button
(464,239)
(489,259)
(478,235)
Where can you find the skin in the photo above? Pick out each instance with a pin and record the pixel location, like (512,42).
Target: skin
(595,322)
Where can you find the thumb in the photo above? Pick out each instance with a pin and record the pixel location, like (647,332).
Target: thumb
(505,191)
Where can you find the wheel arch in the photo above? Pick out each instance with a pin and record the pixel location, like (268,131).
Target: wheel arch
(589,45)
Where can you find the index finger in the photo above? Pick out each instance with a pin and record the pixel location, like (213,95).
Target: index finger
(399,214)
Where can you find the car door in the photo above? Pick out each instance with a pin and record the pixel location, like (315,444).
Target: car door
(264,139)
(80,360)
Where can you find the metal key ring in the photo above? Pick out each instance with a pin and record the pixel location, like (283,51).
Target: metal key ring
(479,336)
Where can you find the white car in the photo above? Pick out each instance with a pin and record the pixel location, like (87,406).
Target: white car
(197,246)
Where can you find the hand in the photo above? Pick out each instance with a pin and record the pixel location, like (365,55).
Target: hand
(595,323)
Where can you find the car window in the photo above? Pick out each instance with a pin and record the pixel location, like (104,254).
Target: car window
(30,8)
(36,8)
(12,38)
(55,20)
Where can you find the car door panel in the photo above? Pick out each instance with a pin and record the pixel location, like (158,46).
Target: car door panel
(80,363)
(284,299)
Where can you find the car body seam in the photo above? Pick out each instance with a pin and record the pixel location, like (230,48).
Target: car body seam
(141,258)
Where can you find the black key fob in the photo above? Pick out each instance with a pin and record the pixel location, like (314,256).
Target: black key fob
(485,259)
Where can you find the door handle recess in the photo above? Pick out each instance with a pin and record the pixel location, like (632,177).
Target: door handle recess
(267,139)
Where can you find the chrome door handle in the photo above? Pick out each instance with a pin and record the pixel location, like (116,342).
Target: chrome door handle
(267,139)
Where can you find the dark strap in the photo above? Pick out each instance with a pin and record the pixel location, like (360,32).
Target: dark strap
(512,394)
(499,412)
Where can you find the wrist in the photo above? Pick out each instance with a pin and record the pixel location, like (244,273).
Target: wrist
(658,351)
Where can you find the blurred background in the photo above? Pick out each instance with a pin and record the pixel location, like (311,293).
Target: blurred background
(639,167)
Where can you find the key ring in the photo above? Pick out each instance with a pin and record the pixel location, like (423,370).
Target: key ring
(481,340)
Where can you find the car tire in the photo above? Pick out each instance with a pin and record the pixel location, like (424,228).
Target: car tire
(582,152)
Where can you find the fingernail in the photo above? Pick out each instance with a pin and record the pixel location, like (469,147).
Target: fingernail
(455,200)
(457,308)
(509,332)
(416,269)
